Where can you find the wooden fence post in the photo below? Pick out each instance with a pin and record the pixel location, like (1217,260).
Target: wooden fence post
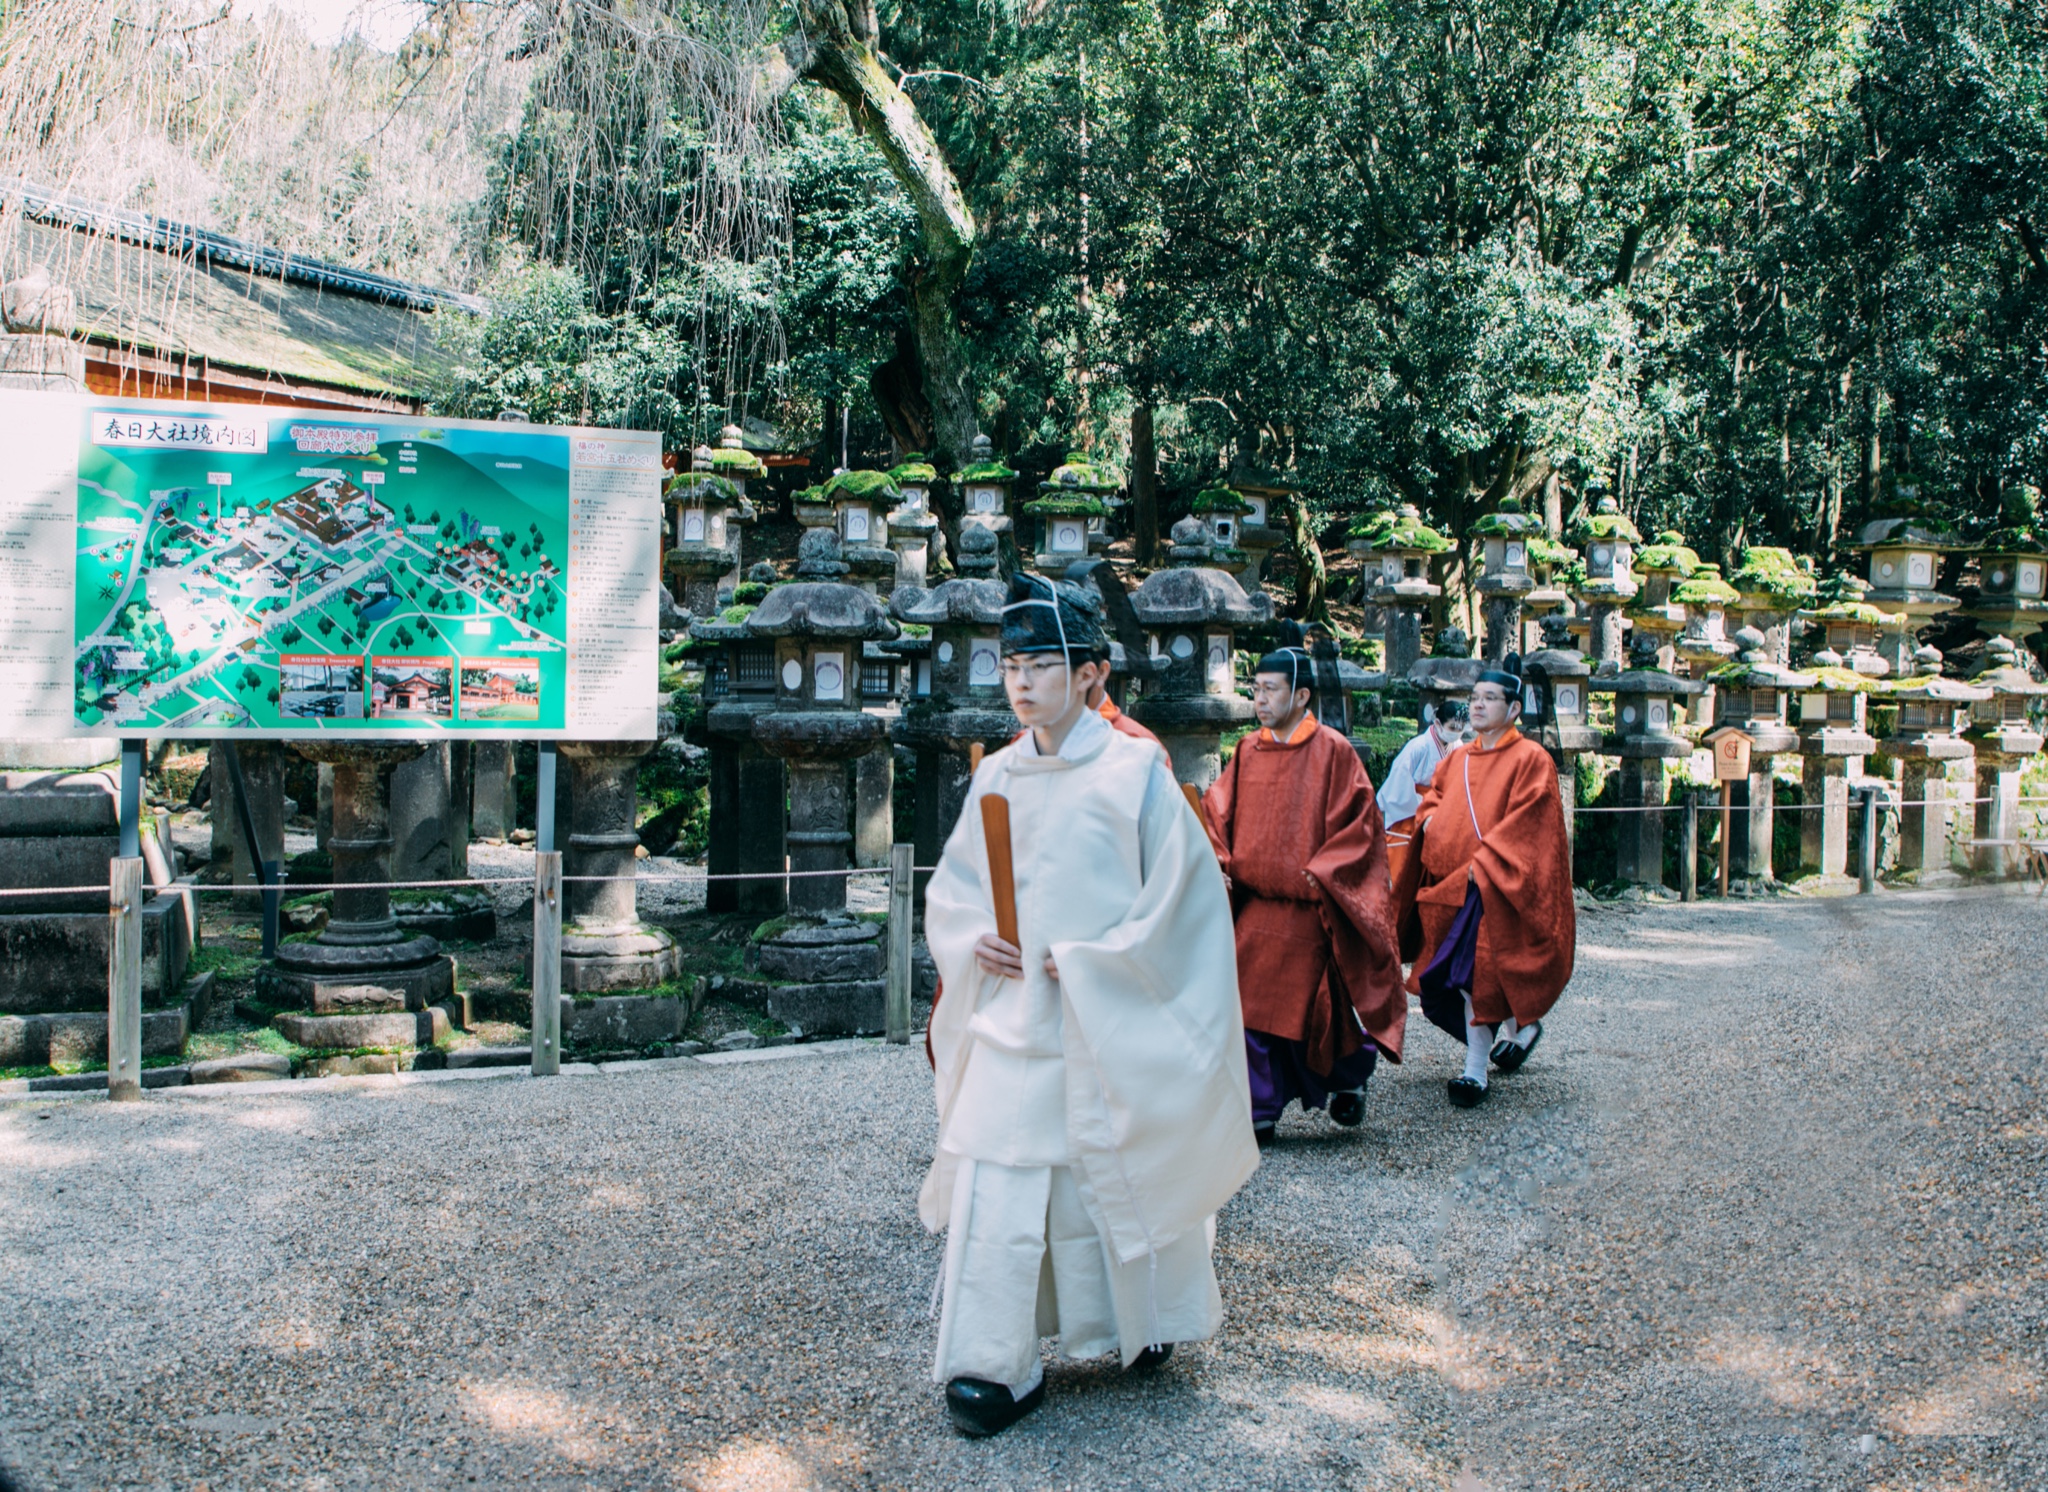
(897,1013)
(124,978)
(547,963)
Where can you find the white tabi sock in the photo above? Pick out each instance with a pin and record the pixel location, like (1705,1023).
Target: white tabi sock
(1478,1047)
(1505,1031)
(1524,1036)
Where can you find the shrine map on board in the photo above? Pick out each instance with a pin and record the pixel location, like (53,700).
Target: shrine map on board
(306,572)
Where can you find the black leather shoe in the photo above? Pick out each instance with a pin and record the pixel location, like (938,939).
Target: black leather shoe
(1466,1093)
(1508,1055)
(1348,1109)
(979,1408)
(1151,1358)
(1263,1133)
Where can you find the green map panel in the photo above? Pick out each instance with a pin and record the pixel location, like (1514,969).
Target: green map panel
(356,576)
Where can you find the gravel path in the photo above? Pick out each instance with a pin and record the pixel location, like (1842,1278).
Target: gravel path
(1771,1186)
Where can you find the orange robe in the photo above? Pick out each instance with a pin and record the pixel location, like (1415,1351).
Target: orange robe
(1518,857)
(1119,721)
(1298,833)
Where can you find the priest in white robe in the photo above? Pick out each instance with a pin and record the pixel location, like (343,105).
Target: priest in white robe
(1093,1106)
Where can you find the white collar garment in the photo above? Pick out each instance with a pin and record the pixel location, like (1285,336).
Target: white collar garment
(1088,736)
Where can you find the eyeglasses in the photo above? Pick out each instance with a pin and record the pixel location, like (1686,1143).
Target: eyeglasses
(1029,673)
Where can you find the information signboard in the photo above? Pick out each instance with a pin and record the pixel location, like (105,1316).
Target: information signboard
(245,570)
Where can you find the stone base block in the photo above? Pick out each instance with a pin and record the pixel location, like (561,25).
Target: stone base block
(243,1067)
(358,999)
(344,1032)
(369,1064)
(57,961)
(451,914)
(853,1007)
(823,954)
(30,1041)
(423,984)
(639,959)
(622,1022)
(491,1056)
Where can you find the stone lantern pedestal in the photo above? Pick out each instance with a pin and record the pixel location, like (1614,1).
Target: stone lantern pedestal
(1924,745)
(1647,713)
(1554,714)
(1394,549)
(965,704)
(748,786)
(2004,739)
(430,842)
(605,945)
(1191,613)
(1752,695)
(362,943)
(1505,580)
(1608,542)
(1832,746)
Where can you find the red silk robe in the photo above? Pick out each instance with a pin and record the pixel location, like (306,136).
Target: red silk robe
(1528,931)
(1299,835)
(1124,724)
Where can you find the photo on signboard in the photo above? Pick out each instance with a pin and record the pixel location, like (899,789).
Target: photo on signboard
(320,686)
(412,688)
(501,689)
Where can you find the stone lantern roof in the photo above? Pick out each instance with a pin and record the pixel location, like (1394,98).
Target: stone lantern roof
(1772,580)
(732,459)
(857,486)
(820,609)
(1508,521)
(913,469)
(1218,500)
(1705,587)
(1192,596)
(1396,531)
(1606,521)
(1751,668)
(1081,473)
(984,467)
(2019,529)
(1669,555)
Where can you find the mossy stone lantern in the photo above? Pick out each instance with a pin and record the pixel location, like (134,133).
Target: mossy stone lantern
(960,700)
(1850,625)
(1081,473)
(1704,644)
(1924,743)
(703,558)
(1648,710)
(1553,566)
(2004,736)
(1833,741)
(1753,694)
(1064,514)
(1394,548)
(1258,535)
(2012,571)
(1771,586)
(984,485)
(859,500)
(1605,580)
(1222,511)
(1906,550)
(911,523)
(1191,614)
(1653,615)
(1555,709)
(1505,578)
(733,462)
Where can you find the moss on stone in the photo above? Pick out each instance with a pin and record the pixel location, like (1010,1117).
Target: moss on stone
(1079,474)
(857,484)
(1766,571)
(1390,529)
(986,471)
(913,468)
(1218,500)
(1507,521)
(1071,504)
(1668,556)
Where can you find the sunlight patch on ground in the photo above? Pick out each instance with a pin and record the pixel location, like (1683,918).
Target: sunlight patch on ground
(540,1416)
(1782,1373)
(753,1465)
(1982,1400)
(286,1117)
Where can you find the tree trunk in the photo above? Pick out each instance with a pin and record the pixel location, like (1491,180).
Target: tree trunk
(836,48)
(1310,578)
(1144,484)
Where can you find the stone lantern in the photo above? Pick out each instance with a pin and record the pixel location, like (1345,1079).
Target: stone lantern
(362,943)
(1924,743)
(1704,644)
(912,523)
(1552,566)
(705,546)
(984,486)
(1648,708)
(1555,709)
(962,698)
(2012,571)
(1605,577)
(1905,555)
(1753,694)
(1771,586)
(1851,626)
(1833,742)
(1083,474)
(859,501)
(1190,614)
(818,724)
(1064,515)
(1446,676)
(1395,547)
(2004,737)
(1257,533)
(1655,617)
(748,785)
(1505,579)
(1222,512)
(739,466)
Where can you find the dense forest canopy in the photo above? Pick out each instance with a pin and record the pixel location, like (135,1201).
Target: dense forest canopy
(1752,264)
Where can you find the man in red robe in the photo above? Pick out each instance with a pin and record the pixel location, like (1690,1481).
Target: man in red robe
(1301,844)
(1484,900)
